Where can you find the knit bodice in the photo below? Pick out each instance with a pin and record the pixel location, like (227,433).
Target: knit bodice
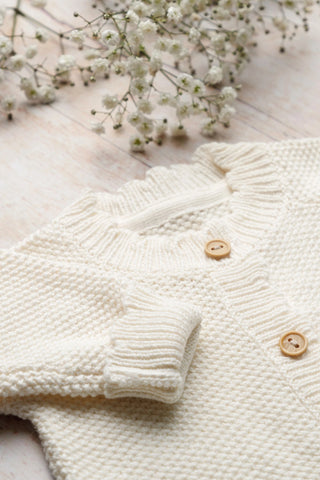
(167,363)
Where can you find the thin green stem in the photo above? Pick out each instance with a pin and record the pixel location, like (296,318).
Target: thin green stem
(17,12)
(15,19)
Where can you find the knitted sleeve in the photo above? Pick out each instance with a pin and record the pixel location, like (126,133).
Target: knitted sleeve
(69,327)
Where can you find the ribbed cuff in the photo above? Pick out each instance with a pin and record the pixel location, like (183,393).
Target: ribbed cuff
(152,347)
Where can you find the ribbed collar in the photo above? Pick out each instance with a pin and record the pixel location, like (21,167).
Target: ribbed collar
(237,183)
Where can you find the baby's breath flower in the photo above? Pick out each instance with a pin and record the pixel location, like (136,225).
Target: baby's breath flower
(226,113)
(97,127)
(175,48)
(198,88)
(148,26)
(218,41)
(145,126)
(194,35)
(31,51)
(183,109)
(119,67)
(46,94)
(63,69)
(41,35)
(163,44)
(243,35)
(195,107)
(208,127)
(95,34)
(78,36)
(137,143)
(8,103)
(158,8)
(100,66)
(118,117)
(174,14)
(109,101)
(109,37)
(66,62)
(135,39)
(214,75)
(140,8)
(5,46)
(228,94)
(155,62)
(137,67)
(135,118)
(167,99)
(29,89)
(185,81)
(144,105)
(139,87)
(16,62)
(132,17)
(26,83)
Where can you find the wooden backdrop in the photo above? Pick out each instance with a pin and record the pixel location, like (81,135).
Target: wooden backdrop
(49,155)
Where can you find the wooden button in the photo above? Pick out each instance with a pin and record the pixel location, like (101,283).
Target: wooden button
(293,343)
(217,248)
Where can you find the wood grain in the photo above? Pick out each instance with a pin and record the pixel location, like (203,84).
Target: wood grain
(49,155)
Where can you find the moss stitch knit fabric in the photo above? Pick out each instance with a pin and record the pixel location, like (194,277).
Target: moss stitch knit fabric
(137,357)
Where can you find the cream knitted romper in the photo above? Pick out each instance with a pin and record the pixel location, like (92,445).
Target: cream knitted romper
(136,356)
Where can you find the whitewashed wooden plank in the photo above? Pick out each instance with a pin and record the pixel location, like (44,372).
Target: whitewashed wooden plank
(21,455)
(47,160)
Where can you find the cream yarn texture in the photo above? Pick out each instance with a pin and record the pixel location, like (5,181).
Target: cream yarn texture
(71,330)
(138,357)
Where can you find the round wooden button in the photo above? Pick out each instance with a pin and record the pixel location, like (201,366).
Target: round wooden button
(217,248)
(293,343)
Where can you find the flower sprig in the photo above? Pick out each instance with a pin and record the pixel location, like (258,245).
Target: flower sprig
(182,56)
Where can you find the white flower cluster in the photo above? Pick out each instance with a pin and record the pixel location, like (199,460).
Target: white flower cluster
(15,63)
(158,45)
